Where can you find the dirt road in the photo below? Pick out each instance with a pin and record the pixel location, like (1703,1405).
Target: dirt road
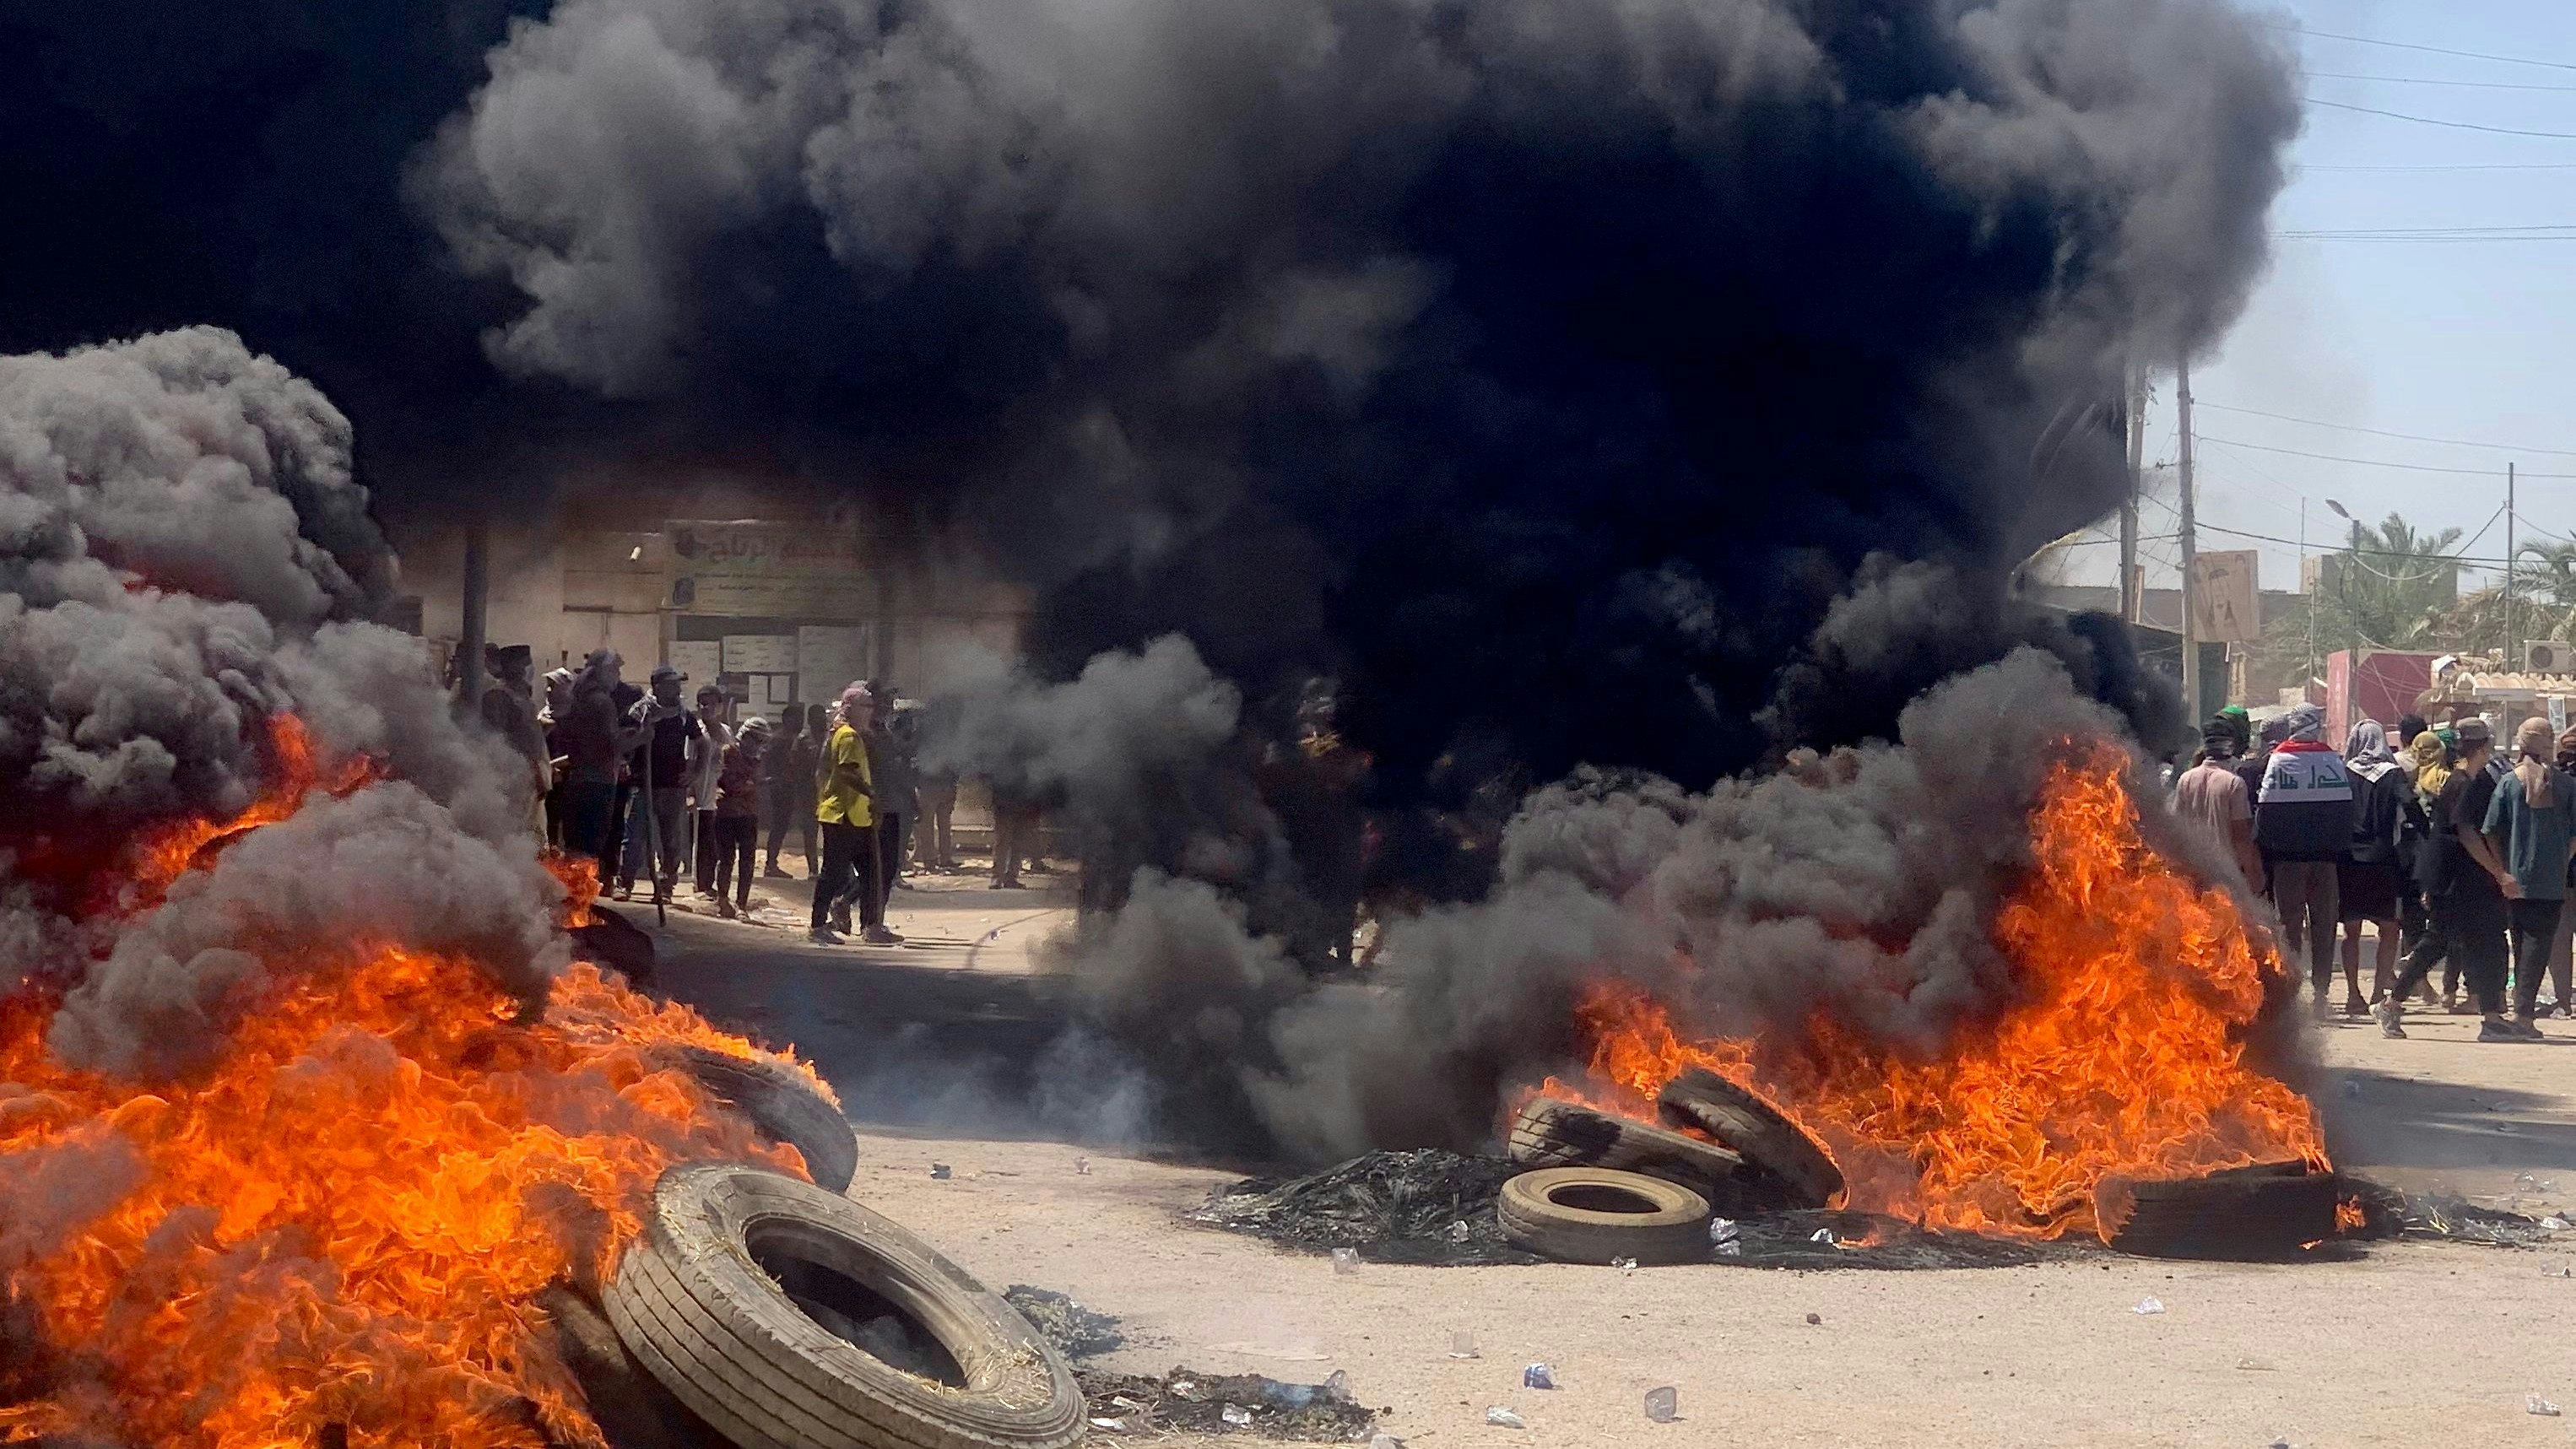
(2411,1345)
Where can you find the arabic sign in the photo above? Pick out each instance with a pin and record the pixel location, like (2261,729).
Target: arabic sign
(767,570)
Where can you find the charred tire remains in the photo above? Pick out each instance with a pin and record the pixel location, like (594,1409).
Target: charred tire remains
(785,1107)
(2272,1210)
(1596,1215)
(789,1318)
(1753,1127)
(1552,1132)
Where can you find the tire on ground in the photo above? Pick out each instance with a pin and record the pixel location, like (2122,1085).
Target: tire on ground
(1552,1132)
(695,1300)
(2270,1210)
(1597,1214)
(785,1107)
(1754,1128)
(630,1406)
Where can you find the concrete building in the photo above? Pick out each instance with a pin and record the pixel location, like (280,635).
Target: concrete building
(781,600)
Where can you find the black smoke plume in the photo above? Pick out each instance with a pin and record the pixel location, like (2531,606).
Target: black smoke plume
(1648,384)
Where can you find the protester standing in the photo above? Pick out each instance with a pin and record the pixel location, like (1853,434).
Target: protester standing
(2468,908)
(2212,797)
(736,821)
(2559,948)
(706,767)
(2303,823)
(934,794)
(558,708)
(793,758)
(661,766)
(2367,880)
(890,759)
(843,809)
(2531,827)
(1015,818)
(595,745)
(2425,763)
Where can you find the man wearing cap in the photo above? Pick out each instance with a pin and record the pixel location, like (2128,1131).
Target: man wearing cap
(2468,898)
(2303,825)
(661,769)
(2212,796)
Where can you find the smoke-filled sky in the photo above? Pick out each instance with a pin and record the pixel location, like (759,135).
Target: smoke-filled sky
(1540,369)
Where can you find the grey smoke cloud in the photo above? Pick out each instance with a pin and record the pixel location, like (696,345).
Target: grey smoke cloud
(184,556)
(384,865)
(1867,892)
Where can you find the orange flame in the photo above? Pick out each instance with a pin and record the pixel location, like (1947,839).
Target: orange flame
(156,857)
(345,1220)
(2120,1055)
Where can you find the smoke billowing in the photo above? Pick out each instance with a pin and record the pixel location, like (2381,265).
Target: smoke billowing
(186,561)
(1640,384)
(1540,371)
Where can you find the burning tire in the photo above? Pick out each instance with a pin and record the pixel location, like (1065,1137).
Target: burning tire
(2267,1211)
(1552,1132)
(788,1318)
(1753,1127)
(1595,1215)
(785,1107)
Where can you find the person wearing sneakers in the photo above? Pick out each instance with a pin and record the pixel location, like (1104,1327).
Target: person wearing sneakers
(2368,882)
(2468,900)
(2531,826)
(2303,818)
(844,808)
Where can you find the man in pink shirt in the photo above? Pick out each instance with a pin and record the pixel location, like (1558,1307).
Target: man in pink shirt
(2212,796)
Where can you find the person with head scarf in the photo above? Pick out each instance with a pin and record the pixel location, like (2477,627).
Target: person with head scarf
(2368,878)
(2531,827)
(2466,888)
(2426,764)
(2560,954)
(2212,797)
(2303,823)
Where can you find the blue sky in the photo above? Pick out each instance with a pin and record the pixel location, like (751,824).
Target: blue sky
(2449,339)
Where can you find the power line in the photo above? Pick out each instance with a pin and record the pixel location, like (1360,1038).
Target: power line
(2365,462)
(2419,80)
(2437,121)
(2456,558)
(2427,49)
(2382,432)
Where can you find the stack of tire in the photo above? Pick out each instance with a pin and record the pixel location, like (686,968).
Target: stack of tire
(1605,1188)
(761,1311)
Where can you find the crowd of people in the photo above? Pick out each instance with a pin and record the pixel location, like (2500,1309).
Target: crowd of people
(2438,849)
(640,782)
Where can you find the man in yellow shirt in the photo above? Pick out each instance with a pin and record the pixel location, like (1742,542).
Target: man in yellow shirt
(844,807)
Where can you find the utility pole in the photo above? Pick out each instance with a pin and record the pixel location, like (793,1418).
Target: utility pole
(471,632)
(2190,551)
(2314,587)
(2132,592)
(2512,651)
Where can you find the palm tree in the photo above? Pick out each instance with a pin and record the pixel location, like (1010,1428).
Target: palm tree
(2392,586)
(2544,576)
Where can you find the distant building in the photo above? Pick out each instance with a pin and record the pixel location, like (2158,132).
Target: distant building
(780,598)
